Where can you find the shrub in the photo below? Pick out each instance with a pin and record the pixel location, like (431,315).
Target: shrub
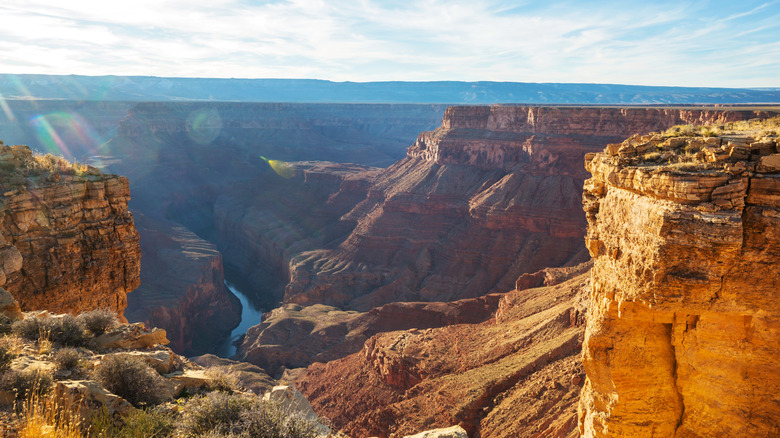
(7,355)
(98,321)
(652,156)
(67,358)
(132,378)
(219,413)
(63,330)
(141,423)
(29,383)
(221,379)
(5,324)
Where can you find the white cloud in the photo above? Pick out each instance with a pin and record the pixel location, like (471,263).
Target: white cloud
(666,43)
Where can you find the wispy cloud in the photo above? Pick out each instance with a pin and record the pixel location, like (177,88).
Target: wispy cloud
(663,43)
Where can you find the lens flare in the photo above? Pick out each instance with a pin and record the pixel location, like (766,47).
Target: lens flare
(204,125)
(6,109)
(65,134)
(280,167)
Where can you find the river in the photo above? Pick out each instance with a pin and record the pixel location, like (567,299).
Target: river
(250,316)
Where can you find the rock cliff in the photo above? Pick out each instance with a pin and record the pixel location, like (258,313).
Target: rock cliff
(683,332)
(491,194)
(182,288)
(70,226)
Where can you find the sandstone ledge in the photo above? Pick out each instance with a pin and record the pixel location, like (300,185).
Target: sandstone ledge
(682,336)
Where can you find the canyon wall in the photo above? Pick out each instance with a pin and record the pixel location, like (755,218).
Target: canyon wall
(683,333)
(71,227)
(515,374)
(182,288)
(491,194)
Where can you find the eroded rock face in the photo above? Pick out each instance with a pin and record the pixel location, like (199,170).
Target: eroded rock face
(517,374)
(182,288)
(683,330)
(293,336)
(71,231)
(491,194)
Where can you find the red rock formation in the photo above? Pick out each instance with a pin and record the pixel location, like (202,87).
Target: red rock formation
(78,246)
(182,288)
(263,223)
(683,332)
(475,375)
(293,336)
(490,195)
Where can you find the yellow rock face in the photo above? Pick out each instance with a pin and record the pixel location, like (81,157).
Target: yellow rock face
(683,333)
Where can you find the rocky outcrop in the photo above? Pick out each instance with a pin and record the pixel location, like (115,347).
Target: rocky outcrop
(293,336)
(472,375)
(447,432)
(491,194)
(70,229)
(682,336)
(182,288)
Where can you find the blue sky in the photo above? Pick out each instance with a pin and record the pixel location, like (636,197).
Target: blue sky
(686,43)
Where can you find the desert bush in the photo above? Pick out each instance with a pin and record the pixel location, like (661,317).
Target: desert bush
(221,379)
(141,423)
(652,156)
(7,355)
(5,324)
(240,415)
(63,330)
(27,384)
(67,358)
(98,321)
(132,378)
(710,131)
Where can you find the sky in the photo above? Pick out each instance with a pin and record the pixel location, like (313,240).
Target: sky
(682,43)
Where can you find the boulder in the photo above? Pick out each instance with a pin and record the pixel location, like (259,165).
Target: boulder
(293,402)
(90,398)
(448,432)
(132,336)
(9,306)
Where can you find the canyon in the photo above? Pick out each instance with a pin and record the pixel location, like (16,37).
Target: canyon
(451,287)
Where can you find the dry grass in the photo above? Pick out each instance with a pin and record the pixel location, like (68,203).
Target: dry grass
(41,416)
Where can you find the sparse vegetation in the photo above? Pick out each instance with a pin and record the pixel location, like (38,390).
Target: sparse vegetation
(98,321)
(222,380)
(154,422)
(40,416)
(7,355)
(131,378)
(67,358)
(28,383)
(63,330)
(239,415)
(18,163)
(5,324)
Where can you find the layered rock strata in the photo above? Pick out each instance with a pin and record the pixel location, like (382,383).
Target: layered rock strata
(293,336)
(260,225)
(70,229)
(472,375)
(182,288)
(683,333)
(491,194)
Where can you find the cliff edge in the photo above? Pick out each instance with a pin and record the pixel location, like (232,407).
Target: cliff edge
(67,241)
(683,332)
